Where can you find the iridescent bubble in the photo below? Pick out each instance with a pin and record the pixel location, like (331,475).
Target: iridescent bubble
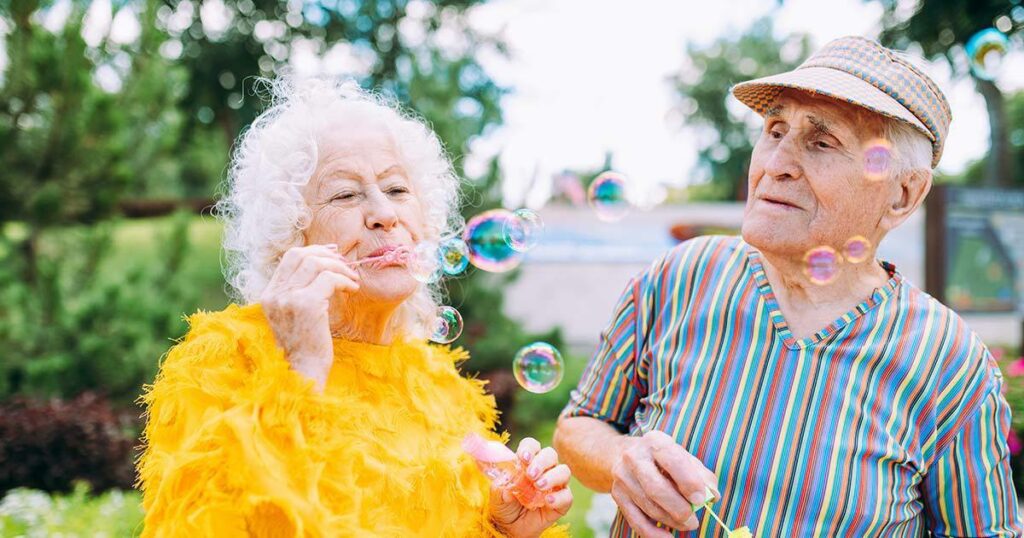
(453,255)
(538,367)
(523,231)
(423,263)
(985,52)
(448,325)
(607,195)
(857,249)
(821,264)
(485,237)
(877,159)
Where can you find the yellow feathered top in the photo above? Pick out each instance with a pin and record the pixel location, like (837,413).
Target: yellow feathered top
(238,444)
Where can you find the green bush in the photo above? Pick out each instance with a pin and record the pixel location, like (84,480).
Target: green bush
(35,514)
(92,315)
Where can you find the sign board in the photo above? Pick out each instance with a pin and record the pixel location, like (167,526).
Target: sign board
(975,248)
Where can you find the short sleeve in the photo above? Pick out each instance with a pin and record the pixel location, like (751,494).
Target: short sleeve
(969,491)
(613,382)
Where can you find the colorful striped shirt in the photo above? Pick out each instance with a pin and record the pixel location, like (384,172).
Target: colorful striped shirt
(888,422)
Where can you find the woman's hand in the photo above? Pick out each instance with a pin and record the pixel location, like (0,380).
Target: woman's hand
(296,304)
(542,467)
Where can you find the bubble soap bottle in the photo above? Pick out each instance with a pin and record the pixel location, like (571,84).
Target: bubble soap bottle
(504,468)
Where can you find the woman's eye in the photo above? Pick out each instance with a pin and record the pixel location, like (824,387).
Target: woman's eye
(394,191)
(343,197)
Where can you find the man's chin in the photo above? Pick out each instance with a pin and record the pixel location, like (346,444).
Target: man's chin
(773,235)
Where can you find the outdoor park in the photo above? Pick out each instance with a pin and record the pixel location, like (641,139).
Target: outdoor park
(587,139)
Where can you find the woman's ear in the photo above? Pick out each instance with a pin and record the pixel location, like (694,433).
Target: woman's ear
(907,195)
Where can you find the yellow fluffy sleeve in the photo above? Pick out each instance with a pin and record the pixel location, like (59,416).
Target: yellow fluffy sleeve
(224,455)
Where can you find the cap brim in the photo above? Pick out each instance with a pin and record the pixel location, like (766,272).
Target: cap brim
(759,94)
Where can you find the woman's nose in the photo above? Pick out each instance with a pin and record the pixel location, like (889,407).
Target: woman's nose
(380,211)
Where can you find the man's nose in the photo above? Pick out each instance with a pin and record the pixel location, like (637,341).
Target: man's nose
(380,213)
(784,160)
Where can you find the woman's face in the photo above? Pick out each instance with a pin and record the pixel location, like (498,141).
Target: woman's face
(363,200)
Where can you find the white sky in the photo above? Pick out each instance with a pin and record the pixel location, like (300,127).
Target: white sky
(590,76)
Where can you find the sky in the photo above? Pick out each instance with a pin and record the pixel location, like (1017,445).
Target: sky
(590,76)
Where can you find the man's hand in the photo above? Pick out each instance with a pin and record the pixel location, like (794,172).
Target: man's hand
(655,481)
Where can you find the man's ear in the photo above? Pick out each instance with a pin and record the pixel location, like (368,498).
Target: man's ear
(907,195)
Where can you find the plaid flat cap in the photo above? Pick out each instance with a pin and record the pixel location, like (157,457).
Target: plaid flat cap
(862,72)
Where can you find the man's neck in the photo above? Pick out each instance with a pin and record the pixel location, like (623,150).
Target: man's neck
(809,307)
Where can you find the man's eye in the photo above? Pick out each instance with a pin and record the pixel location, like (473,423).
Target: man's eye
(820,144)
(777,135)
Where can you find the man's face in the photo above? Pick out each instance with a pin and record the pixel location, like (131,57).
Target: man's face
(807,186)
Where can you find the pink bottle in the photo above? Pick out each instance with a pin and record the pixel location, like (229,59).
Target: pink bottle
(505,469)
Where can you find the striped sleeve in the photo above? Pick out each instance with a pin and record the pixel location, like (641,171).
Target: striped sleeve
(968,490)
(612,384)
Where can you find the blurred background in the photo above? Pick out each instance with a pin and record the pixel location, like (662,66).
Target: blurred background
(117,118)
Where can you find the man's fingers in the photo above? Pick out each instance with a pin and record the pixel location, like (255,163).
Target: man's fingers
(654,497)
(686,471)
(660,490)
(637,519)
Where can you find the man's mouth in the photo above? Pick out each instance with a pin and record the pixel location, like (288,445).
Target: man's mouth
(780,202)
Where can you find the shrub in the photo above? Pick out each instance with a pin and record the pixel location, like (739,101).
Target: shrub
(35,514)
(50,444)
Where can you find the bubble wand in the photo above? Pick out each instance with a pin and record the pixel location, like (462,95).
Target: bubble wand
(741,532)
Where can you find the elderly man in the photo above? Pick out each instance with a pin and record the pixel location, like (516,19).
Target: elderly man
(830,400)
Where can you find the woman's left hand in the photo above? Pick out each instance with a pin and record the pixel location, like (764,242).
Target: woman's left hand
(552,478)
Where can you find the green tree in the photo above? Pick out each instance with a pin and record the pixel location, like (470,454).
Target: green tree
(726,134)
(225,46)
(941,28)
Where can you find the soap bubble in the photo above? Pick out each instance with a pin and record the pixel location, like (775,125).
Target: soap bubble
(448,325)
(423,263)
(607,195)
(985,52)
(538,367)
(524,230)
(877,160)
(453,255)
(857,249)
(821,264)
(485,237)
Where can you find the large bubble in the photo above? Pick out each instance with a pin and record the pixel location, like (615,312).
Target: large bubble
(447,326)
(423,263)
(523,232)
(607,196)
(485,238)
(985,52)
(538,367)
(453,255)
(821,264)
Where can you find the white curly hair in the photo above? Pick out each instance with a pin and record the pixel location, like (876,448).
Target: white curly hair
(262,207)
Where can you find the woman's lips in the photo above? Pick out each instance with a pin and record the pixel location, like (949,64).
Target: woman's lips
(382,251)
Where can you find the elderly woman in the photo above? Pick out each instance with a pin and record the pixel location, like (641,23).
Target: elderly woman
(318,408)
(788,377)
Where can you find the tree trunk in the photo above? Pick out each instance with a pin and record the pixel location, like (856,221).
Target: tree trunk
(998,166)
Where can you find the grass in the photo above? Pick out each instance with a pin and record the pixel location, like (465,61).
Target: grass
(31,514)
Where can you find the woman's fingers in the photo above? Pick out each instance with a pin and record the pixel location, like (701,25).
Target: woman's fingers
(555,478)
(326,284)
(528,448)
(544,460)
(314,264)
(560,501)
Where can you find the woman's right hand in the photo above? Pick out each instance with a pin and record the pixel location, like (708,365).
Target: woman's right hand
(296,302)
